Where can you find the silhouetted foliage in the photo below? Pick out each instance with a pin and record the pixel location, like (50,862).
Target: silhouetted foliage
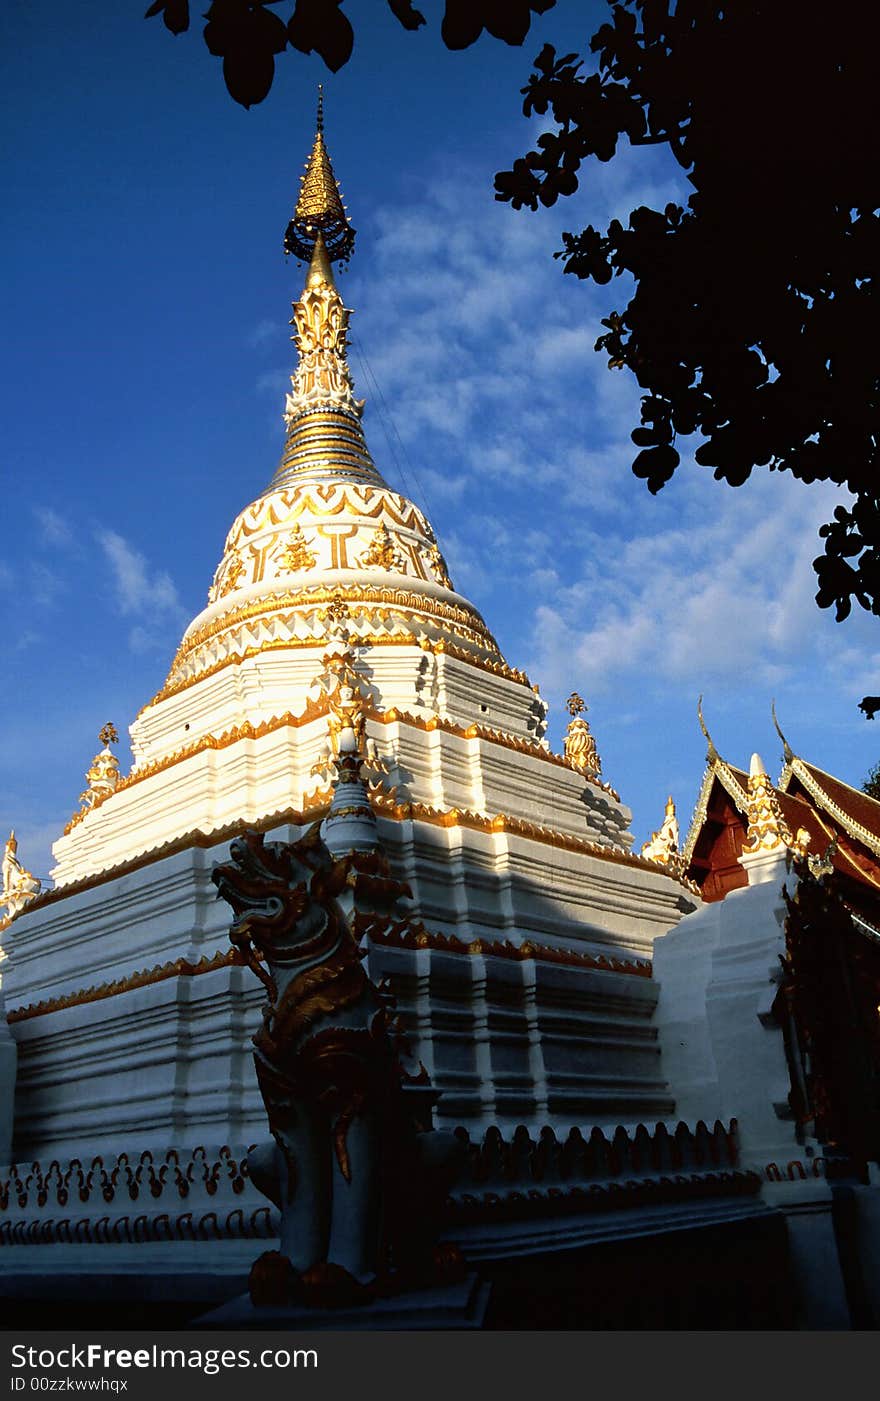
(751,322)
(871,785)
(247,35)
(753,317)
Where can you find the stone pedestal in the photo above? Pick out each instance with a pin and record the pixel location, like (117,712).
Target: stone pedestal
(815,1262)
(452,1306)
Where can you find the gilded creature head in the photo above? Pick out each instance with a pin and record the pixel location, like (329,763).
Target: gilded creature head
(282,896)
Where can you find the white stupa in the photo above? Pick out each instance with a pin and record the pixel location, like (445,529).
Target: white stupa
(526,992)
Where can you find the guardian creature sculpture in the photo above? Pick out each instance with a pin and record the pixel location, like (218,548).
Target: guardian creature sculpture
(357,1178)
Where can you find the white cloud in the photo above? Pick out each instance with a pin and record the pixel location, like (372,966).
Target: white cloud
(136,589)
(265,330)
(54,529)
(151,595)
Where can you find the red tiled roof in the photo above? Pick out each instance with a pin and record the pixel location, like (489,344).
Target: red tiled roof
(858,806)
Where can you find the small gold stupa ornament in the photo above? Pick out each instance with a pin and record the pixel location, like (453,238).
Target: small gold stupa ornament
(20,887)
(663,844)
(580,746)
(768,829)
(102,775)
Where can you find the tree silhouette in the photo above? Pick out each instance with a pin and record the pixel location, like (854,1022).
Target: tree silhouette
(752,321)
(871,785)
(248,35)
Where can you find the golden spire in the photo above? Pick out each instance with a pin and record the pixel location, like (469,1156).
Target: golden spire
(324,434)
(319,213)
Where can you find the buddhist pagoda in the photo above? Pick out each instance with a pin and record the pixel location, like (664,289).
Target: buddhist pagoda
(522,974)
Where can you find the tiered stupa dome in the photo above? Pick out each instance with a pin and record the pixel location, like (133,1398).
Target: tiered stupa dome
(331,626)
(331,562)
(329,539)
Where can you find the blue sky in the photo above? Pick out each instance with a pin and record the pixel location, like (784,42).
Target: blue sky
(147,355)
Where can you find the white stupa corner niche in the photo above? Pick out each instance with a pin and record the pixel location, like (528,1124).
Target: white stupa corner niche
(522,974)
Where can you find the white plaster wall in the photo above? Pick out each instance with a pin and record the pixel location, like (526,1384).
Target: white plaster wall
(723,1052)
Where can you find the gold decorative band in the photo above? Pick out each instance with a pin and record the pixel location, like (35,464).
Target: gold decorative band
(365,597)
(394,938)
(496,668)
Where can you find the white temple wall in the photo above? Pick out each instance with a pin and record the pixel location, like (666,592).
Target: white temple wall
(272,683)
(170,1063)
(469,883)
(252,778)
(504,1039)
(723,1050)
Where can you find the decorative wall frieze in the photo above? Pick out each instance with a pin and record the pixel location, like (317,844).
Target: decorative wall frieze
(315,805)
(386,805)
(159,973)
(326,501)
(487,664)
(187,1195)
(405,936)
(199,1194)
(334,524)
(362,595)
(542,1156)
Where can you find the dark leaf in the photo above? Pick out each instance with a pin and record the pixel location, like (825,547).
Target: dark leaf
(656,466)
(248,75)
(462,24)
(175,14)
(409,17)
(318,26)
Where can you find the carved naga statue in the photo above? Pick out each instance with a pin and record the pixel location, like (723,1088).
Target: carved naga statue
(357,1178)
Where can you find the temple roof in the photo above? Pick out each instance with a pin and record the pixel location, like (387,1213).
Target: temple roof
(812,804)
(856,812)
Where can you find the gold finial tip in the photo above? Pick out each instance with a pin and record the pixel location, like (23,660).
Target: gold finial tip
(575,704)
(108,734)
(319,207)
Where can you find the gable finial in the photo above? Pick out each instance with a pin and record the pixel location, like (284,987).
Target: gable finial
(787,752)
(711,751)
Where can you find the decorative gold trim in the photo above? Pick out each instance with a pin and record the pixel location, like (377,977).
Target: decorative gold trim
(368,595)
(315,806)
(316,710)
(387,806)
(493,736)
(400,937)
(397,936)
(499,668)
(176,968)
(855,829)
